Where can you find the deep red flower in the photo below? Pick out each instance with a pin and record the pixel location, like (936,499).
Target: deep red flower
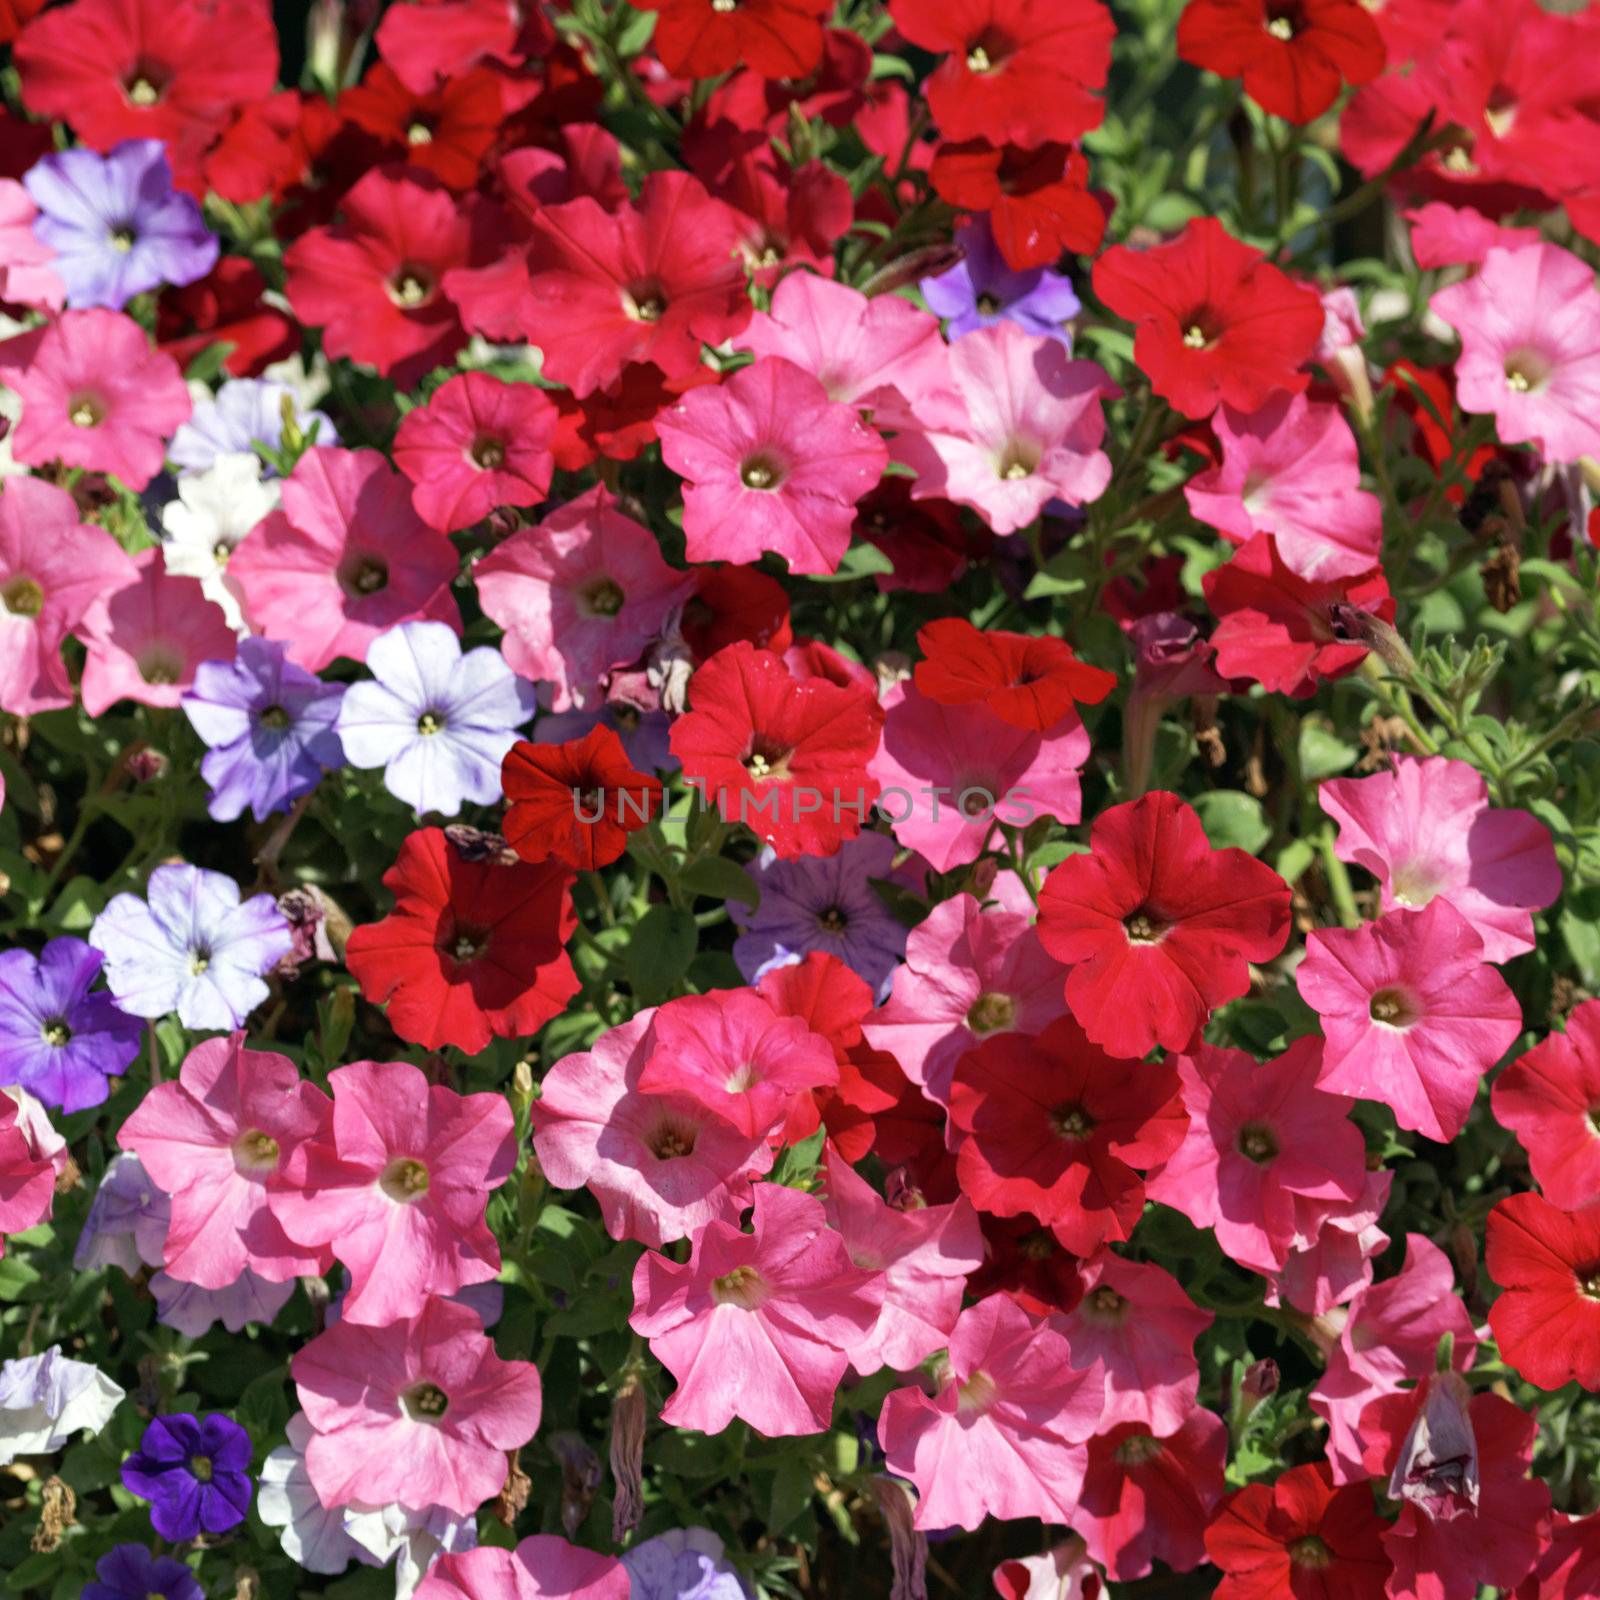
(1028,680)
(785,757)
(703,39)
(446,131)
(260,152)
(1547,1263)
(436,39)
(13,13)
(835,91)
(22,142)
(732,603)
(787,217)
(1292,54)
(1550,1098)
(1569,1569)
(925,540)
(1021,72)
(575,802)
(1425,395)
(473,950)
(1214,320)
(1038,201)
(1024,1259)
(1055,1128)
(226,307)
(1300,1539)
(1158,928)
(1285,632)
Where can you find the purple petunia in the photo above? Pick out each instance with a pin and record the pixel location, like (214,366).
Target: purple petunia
(57,1040)
(116,224)
(130,1572)
(981,290)
(243,413)
(683,1564)
(127,1222)
(270,727)
(194,1471)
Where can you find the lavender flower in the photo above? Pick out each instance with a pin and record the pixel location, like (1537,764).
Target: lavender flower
(47,1398)
(116,224)
(130,1572)
(193,948)
(438,722)
(194,1471)
(245,412)
(193,1310)
(57,1040)
(818,903)
(981,290)
(127,1222)
(685,1564)
(269,724)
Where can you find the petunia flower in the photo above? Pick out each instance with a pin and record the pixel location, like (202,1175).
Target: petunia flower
(683,1564)
(576,802)
(26,275)
(116,224)
(215,510)
(27,1175)
(45,1399)
(1063,1572)
(1546,1319)
(472,951)
(1424,829)
(542,1567)
(756,1326)
(1331,1261)
(1156,927)
(127,1222)
(130,1572)
(1004,1433)
(216,1141)
(982,289)
(777,38)
(1029,681)
(190,947)
(94,394)
(411,1539)
(1412,1013)
(194,1471)
(194,1311)
(770,464)
(1548,1098)
(244,413)
(313,1536)
(420,1411)
(344,559)
(396,1186)
(58,1040)
(447,128)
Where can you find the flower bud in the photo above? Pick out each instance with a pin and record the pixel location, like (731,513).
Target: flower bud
(629,1414)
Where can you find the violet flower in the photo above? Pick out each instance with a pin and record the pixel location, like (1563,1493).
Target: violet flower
(194,1471)
(243,413)
(130,1572)
(683,1564)
(981,290)
(127,1222)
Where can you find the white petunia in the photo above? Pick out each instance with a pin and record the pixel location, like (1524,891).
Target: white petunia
(214,510)
(45,1399)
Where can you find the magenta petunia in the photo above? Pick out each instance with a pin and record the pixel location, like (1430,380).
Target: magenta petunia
(540,1568)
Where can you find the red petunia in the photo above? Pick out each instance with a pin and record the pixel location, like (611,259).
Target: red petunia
(446,131)
(1285,632)
(1055,1128)
(731,603)
(1020,72)
(474,949)
(1550,1098)
(13,13)
(926,540)
(1038,201)
(705,38)
(1214,320)
(1293,55)
(227,308)
(436,39)
(1158,928)
(1030,681)
(786,757)
(1547,1262)
(1300,1538)
(575,802)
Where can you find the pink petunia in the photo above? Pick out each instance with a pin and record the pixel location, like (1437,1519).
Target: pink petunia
(52,569)
(478,443)
(540,1568)
(1291,469)
(94,394)
(1458,236)
(1424,828)
(146,638)
(968,973)
(1529,321)
(398,1187)
(756,1325)
(26,277)
(1412,1014)
(27,1176)
(770,463)
(217,1141)
(344,559)
(1550,1098)
(1267,1151)
(924,1255)
(660,1166)
(1017,424)
(949,774)
(581,594)
(1004,1434)
(1331,1262)
(419,1412)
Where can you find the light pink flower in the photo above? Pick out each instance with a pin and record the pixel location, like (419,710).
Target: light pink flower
(1332,1262)
(968,973)
(397,1188)
(877,354)
(94,394)
(1291,469)
(26,277)
(1425,828)
(757,1325)
(1388,1337)
(582,593)
(1529,321)
(1412,1015)
(146,638)
(1267,1151)
(1135,1321)
(1017,424)
(345,559)
(216,1141)
(950,773)
(1004,1435)
(52,569)
(420,1412)
(660,1166)
(924,1255)
(771,464)
(541,1568)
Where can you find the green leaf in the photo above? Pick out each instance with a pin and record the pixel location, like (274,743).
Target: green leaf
(1580,931)
(1232,818)
(659,952)
(793,1485)
(718,878)
(860,561)
(1322,755)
